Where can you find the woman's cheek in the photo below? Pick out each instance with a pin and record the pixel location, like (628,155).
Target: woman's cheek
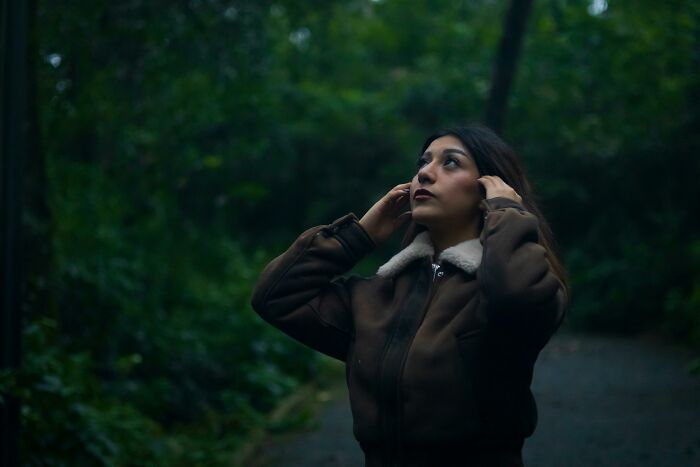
(471,185)
(475,191)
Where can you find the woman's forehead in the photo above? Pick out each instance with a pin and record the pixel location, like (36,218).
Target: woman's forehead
(444,142)
(448,144)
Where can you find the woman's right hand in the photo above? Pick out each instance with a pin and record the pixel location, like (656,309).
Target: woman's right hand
(388,214)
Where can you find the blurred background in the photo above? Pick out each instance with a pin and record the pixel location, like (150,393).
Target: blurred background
(164,152)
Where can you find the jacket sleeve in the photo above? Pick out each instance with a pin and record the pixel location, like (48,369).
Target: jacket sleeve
(298,293)
(515,273)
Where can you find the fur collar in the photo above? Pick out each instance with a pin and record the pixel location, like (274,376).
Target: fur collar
(465,255)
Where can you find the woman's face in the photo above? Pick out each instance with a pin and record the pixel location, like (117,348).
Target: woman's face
(449,172)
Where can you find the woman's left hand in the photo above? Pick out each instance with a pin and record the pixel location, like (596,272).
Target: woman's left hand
(495,187)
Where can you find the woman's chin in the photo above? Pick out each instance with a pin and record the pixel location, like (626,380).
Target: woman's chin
(425,219)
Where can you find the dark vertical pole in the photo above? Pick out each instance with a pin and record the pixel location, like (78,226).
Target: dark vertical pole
(505,64)
(37,298)
(12,146)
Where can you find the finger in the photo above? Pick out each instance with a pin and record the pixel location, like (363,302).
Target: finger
(499,181)
(401,185)
(401,191)
(401,201)
(397,194)
(404,190)
(396,198)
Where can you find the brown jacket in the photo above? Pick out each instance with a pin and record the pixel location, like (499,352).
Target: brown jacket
(439,357)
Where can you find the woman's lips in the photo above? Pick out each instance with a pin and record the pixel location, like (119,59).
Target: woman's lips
(423,194)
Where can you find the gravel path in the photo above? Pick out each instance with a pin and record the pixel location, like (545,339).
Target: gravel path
(602,401)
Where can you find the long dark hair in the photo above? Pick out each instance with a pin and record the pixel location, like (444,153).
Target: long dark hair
(494,157)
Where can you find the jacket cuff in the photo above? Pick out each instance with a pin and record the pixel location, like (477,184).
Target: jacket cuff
(351,235)
(500,202)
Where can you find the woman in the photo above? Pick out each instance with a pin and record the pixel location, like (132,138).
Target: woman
(441,342)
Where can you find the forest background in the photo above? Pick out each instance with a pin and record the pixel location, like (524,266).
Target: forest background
(177,147)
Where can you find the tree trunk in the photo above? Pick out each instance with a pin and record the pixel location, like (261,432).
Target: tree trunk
(37,226)
(13,137)
(504,68)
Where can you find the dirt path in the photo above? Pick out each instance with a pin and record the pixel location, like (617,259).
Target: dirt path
(602,401)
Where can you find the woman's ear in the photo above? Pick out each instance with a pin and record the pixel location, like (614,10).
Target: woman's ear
(482,190)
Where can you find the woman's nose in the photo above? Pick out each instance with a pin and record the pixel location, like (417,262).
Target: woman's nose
(425,173)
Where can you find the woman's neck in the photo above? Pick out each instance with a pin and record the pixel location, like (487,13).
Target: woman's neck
(444,238)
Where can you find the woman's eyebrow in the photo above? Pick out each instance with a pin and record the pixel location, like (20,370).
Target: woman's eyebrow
(447,151)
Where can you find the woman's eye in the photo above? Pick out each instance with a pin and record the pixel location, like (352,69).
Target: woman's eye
(421,162)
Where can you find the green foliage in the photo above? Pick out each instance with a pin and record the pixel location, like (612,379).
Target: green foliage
(682,305)
(694,367)
(66,417)
(155,354)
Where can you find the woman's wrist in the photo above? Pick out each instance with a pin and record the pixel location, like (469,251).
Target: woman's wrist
(368,230)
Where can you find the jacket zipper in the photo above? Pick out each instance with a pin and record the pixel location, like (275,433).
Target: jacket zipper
(392,374)
(436,267)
